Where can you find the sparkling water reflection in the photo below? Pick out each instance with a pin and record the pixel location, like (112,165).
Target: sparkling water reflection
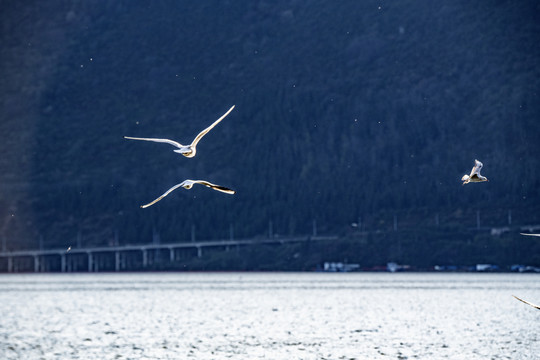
(268,315)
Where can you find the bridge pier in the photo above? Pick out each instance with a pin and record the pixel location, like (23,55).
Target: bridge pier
(144,258)
(36,263)
(117,261)
(90,262)
(63,263)
(199,251)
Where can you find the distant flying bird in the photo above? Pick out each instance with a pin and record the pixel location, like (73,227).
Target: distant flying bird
(475,174)
(188,184)
(68,249)
(186,150)
(530,234)
(528,303)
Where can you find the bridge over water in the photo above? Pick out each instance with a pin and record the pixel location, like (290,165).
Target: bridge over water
(124,258)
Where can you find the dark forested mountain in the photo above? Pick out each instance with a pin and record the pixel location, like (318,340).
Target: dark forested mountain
(343,110)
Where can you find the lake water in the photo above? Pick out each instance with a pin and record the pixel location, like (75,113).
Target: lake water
(269,316)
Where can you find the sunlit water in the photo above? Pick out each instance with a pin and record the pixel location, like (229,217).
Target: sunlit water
(269,316)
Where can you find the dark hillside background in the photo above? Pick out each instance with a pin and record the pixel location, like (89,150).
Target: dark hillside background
(344,111)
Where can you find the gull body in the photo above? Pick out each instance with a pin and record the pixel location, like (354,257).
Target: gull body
(474,176)
(186,150)
(528,303)
(530,234)
(188,184)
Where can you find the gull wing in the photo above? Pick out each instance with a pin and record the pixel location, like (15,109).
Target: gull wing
(167,141)
(476,169)
(205,131)
(214,186)
(162,196)
(528,303)
(530,234)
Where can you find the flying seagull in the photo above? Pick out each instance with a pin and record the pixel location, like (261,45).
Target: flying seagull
(475,174)
(530,234)
(188,184)
(528,303)
(186,150)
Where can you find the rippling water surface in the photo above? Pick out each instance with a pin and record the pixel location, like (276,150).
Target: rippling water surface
(269,316)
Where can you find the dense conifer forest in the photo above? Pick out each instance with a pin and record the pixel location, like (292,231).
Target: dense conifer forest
(350,116)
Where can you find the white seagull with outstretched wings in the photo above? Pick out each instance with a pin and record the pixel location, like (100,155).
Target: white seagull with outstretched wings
(186,150)
(475,174)
(188,184)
